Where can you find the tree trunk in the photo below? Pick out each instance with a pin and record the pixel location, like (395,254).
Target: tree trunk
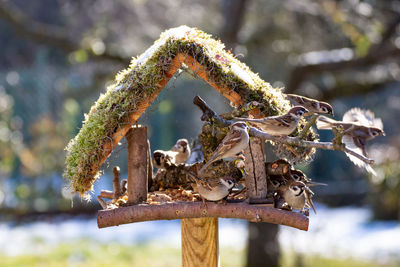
(263,247)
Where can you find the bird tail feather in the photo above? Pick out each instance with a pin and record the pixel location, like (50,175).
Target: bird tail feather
(325,123)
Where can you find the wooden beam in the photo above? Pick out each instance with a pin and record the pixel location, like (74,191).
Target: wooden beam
(137,165)
(183,210)
(200,242)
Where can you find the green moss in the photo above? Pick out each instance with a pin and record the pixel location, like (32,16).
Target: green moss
(142,80)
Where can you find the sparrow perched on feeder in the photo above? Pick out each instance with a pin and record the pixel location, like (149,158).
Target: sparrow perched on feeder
(313,106)
(183,149)
(298,196)
(213,189)
(358,127)
(163,159)
(274,182)
(233,143)
(279,125)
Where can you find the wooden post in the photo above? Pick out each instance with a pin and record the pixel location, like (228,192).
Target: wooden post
(149,166)
(256,180)
(200,242)
(137,165)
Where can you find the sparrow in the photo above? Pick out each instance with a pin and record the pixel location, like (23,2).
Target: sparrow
(163,159)
(274,183)
(233,143)
(359,126)
(213,189)
(279,125)
(183,149)
(313,106)
(298,196)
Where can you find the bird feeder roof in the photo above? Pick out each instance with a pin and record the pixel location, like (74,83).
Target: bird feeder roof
(136,87)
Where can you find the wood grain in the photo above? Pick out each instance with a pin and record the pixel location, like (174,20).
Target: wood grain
(256,182)
(200,242)
(137,165)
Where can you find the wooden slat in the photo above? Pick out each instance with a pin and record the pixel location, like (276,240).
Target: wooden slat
(256,181)
(199,242)
(137,165)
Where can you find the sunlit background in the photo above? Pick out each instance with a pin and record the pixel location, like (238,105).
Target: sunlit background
(57,56)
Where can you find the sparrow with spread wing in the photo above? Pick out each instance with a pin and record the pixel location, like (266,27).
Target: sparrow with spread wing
(358,126)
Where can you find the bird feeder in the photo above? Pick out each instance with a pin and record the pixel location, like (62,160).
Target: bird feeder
(113,116)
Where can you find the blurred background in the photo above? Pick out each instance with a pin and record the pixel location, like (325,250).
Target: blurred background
(57,56)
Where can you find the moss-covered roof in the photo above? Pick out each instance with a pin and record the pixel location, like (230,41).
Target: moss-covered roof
(136,87)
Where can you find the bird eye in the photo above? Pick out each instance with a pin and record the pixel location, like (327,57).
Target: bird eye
(296,177)
(375,133)
(275,183)
(324,109)
(295,188)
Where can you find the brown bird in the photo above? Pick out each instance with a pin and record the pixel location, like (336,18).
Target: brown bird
(183,149)
(163,159)
(233,143)
(359,126)
(279,125)
(313,106)
(298,196)
(274,183)
(213,189)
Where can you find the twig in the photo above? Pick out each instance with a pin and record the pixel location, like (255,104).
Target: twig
(116,184)
(208,113)
(295,141)
(107,194)
(310,123)
(102,203)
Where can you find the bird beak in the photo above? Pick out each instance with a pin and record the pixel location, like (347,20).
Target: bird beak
(298,184)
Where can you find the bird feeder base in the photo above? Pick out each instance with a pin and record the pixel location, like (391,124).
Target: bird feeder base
(183,210)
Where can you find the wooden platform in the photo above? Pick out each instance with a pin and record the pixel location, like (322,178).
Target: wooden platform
(184,210)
